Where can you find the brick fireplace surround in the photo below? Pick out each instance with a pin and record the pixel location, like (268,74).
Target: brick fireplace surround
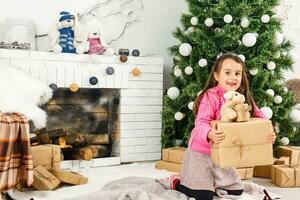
(140,96)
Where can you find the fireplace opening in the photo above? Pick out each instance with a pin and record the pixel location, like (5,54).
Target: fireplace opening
(85,124)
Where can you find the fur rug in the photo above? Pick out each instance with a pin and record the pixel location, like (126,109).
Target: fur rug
(22,93)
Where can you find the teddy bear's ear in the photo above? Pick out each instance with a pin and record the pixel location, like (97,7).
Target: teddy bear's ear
(228,95)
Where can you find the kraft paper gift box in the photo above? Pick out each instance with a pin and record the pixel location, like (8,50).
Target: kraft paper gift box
(47,155)
(174,154)
(43,179)
(291,151)
(265,171)
(285,175)
(245,173)
(245,145)
(69,177)
(173,167)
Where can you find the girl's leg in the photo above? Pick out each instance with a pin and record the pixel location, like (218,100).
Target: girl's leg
(197,194)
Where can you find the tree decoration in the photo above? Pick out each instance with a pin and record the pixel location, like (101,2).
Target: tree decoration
(245,22)
(209,22)
(53,86)
(253,71)
(202,62)
(110,70)
(178,116)
(173,92)
(227,18)
(194,21)
(242,57)
(265,18)
(135,52)
(191,105)
(249,39)
(185,49)
(271,65)
(285,141)
(177,72)
(188,70)
(278,38)
(267,112)
(123,58)
(277,99)
(270,92)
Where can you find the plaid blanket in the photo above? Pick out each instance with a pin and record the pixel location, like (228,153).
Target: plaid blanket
(16,162)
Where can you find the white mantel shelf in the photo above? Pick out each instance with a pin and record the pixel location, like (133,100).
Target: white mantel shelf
(140,96)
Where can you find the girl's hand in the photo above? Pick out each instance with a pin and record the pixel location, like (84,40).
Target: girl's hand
(215,135)
(272,137)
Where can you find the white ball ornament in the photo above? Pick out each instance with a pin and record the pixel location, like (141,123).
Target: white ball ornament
(202,62)
(209,22)
(199,92)
(284,53)
(249,39)
(267,112)
(227,18)
(185,49)
(271,65)
(173,92)
(191,29)
(270,92)
(178,116)
(194,21)
(277,99)
(188,70)
(191,105)
(242,57)
(276,55)
(295,116)
(278,38)
(177,72)
(285,89)
(253,71)
(285,141)
(244,22)
(265,18)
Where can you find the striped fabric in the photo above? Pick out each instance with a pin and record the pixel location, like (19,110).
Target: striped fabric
(16,162)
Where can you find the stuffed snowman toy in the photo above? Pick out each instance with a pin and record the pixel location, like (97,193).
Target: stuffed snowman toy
(65,36)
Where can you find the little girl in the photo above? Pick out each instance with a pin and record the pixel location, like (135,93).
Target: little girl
(200,178)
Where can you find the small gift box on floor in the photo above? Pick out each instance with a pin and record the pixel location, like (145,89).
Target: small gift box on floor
(245,173)
(292,152)
(285,175)
(173,154)
(47,155)
(173,167)
(265,171)
(245,145)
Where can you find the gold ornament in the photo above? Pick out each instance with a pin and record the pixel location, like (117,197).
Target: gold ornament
(74,87)
(136,72)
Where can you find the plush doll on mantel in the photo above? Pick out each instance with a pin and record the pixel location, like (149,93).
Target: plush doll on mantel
(96,43)
(66,35)
(234,109)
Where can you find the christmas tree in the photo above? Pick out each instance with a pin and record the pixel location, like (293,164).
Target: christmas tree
(249,29)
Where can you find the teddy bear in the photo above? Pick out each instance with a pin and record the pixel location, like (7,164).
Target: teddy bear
(66,35)
(234,108)
(96,43)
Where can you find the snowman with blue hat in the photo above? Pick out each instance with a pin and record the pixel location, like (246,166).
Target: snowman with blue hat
(65,36)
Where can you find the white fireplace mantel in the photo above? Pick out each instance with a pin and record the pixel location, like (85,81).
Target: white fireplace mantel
(140,96)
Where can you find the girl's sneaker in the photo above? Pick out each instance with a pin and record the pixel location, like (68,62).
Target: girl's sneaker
(169,183)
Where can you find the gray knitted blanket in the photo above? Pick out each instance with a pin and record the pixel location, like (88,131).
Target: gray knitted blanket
(137,188)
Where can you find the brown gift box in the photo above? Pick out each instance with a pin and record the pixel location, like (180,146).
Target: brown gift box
(47,156)
(245,145)
(285,176)
(292,152)
(69,177)
(265,171)
(43,179)
(245,173)
(173,167)
(173,154)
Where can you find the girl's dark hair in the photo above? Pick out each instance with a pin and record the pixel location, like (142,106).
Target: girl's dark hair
(212,82)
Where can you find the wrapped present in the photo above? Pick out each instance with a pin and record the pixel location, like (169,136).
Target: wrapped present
(285,175)
(174,154)
(173,167)
(245,173)
(69,177)
(265,171)
(290,151)
(43,179)
(245,145)
(47,155)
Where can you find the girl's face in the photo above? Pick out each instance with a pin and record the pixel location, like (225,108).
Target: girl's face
(230,75)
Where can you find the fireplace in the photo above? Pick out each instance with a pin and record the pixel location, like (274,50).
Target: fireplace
(86,122)
(139,98)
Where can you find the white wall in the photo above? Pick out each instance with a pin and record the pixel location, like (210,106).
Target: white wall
(152,35)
